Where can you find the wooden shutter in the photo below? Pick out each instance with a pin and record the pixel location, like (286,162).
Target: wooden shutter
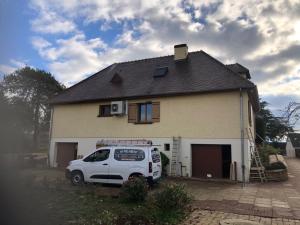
(132,113)
(155,112)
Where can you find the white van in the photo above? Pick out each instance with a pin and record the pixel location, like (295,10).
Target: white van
(116,164)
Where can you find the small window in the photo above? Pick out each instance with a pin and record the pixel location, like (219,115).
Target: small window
(97,156)
(160,72)
(155,155)
(104,111)
(167,147)
(145,113)
(129,155)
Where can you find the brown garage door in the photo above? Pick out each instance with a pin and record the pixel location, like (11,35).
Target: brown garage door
(207,159)
(65,153)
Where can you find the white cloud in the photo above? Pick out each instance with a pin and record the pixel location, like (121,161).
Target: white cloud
(6,69)
(262,35)
(73,58)
(11,67)
(49,21)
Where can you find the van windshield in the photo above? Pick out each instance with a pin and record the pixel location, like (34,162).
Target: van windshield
(155,155)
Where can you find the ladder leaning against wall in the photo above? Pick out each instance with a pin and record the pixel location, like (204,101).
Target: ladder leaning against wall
(257,170)
(175,155)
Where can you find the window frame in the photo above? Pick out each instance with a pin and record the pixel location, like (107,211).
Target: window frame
(101,110)
(139,113)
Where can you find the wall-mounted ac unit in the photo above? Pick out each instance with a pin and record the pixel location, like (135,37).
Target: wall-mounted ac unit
(118,108)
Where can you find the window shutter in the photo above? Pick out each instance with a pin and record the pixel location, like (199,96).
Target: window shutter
(132,113)
(155,112)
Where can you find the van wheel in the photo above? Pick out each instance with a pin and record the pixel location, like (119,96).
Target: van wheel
(77,178)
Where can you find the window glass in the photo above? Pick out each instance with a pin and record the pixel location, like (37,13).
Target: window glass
(149,112)
(142,112)
(155,155)
(100,155)
(129,155)
(145,112)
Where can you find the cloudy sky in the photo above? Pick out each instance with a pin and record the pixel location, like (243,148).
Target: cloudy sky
(74,39)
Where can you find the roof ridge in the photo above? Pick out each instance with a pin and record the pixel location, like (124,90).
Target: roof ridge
(157,57)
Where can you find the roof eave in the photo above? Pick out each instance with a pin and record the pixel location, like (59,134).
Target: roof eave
(146,96)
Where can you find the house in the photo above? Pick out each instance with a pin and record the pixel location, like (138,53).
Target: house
(293,145)
(194,107)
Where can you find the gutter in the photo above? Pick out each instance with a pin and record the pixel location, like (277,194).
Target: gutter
(242,135)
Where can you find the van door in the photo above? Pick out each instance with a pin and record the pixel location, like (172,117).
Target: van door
(126,161)
(156,163)
(97,165)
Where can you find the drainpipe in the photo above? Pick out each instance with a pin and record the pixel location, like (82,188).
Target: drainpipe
(242,135)
(50,134)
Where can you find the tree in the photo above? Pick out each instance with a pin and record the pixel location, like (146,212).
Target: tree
(291,114)
(268,126)
(28,92)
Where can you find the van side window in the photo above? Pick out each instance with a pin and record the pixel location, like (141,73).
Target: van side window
(155,155)
(129,155)
(97,156)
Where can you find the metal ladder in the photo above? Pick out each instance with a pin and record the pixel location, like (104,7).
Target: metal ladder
(175,155)
(257,170)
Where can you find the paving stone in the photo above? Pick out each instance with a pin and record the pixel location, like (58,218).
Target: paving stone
(205,217)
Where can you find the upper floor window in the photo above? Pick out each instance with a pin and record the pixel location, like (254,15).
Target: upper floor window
(145,113)
(104,111)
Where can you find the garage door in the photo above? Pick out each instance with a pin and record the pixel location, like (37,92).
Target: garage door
(207,161)
(66,152)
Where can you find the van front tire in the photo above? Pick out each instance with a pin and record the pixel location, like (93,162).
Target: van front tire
(77,178)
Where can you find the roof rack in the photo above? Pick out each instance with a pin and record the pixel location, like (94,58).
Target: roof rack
(132,142)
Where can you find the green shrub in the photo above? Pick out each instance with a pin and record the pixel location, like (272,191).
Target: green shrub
(275,166)
(265,151)
(134,190)
(139,215)
(164,162)
(172,197)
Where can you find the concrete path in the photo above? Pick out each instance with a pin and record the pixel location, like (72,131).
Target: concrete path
(273,199)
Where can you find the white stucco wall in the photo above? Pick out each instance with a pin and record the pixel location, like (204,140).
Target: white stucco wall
(87,145)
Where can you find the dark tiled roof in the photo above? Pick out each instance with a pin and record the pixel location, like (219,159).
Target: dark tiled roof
(238,68)
(199,73)
(295,139)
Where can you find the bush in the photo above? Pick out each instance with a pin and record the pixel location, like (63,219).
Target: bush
(172,197)
(275,166)
(265,151)
(138,215)
(134,190)
(164,162)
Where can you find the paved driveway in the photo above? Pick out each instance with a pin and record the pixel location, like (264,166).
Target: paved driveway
(273,199)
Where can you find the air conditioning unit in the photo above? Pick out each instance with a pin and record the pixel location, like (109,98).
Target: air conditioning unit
(118,108)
